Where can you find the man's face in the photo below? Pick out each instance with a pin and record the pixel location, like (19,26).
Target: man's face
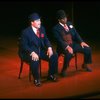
(36,23)
(63,21)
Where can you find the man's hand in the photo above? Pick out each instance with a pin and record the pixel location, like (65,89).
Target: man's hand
(70,50)
(35,57)
(83,44)
(49,52)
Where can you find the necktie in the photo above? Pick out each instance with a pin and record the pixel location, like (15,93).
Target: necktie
(38,33)
(66,28)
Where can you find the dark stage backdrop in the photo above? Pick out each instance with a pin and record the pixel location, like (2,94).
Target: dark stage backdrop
(85,16)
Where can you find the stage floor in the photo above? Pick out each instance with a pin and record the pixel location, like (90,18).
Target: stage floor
(77,84)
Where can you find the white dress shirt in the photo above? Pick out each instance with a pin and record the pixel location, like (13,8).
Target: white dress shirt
(34,29)
(65,26)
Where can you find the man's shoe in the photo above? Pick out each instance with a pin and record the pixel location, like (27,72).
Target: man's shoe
(52,78)
(63,74)
(84,66)
(37,83)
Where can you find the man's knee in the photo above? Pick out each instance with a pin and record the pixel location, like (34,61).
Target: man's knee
(87,50)
(55,56)
(68,55)
(34,63)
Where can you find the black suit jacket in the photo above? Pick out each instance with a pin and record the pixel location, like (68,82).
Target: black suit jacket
(59,33)
(30,42)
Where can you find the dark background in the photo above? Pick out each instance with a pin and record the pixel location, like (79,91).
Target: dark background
(85,16)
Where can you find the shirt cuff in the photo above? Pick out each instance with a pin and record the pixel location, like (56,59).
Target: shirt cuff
(66,47)
(32,53)
(49,48)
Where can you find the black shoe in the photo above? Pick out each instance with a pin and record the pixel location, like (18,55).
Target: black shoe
(52,78)
(37,83)
(84,66)
(63,74)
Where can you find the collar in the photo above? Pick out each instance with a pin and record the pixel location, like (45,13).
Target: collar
(34,29)
(62,24)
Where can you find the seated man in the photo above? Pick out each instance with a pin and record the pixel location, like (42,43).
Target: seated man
(35,46)
(69,42)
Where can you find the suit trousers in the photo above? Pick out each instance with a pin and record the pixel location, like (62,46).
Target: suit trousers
(53,64)
(77,48)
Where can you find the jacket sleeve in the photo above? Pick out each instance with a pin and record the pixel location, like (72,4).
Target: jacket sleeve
(24,43)
(46,40)
(77,37)
(59,38)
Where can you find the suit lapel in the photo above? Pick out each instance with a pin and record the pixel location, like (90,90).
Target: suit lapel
(41,37)
(61,27)
(34,36)
(36,39)
(68,24)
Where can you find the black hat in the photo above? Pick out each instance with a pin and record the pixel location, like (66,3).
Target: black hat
(61,14)
(34,16)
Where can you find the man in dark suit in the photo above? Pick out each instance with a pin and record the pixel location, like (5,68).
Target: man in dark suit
(35,46)
(69,42)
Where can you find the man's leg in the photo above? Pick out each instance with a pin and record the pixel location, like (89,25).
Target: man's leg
(53,64)
(87,55)
(34,65)
(35,69)
(67,58)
